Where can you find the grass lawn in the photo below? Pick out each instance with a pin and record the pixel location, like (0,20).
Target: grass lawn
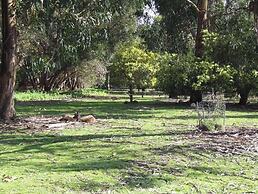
(147,147)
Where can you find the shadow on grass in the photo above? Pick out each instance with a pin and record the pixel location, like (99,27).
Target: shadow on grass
(36,142)
(118,110)
(56,107)
(81,153)
(129,178)
(132,173)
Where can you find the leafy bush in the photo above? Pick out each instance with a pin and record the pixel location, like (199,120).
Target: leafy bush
(133,66)
(181,74)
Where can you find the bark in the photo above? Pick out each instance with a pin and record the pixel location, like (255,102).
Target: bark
(108,81)
(253,7)
(131,93)
(201,25)
(9,59)
(143,90)
(244,93)
(196,95)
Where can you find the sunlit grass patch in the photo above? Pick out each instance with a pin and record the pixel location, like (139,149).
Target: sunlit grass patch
(148,147)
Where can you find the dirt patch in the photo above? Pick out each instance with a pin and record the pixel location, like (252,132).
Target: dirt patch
(234,140)
(39,123)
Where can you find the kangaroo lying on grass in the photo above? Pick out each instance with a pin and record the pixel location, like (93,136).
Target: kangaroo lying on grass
(77,117)
(67,118)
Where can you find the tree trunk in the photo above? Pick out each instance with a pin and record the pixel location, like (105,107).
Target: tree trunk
(9,59)
(253,7)
(131,93)
(201,25)
(244,93)
(108,81)
(196,96)
(143,90)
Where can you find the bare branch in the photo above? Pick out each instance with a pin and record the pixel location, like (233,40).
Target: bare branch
(193,4)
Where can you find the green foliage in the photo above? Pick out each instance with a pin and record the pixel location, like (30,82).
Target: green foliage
(57,36)
(154,35)
(211,75)
(180,74)
(90,73)
(68,44)
(179,20)
(172,76)
(234,45)
(227,50)
(134,66)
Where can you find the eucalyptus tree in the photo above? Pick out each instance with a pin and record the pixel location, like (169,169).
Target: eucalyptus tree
(233,43)
(179,19)
(54,36)
(9,59)
(185,22)
(69,32)
(154,35)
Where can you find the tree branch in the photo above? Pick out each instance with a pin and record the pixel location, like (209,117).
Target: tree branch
(193,4)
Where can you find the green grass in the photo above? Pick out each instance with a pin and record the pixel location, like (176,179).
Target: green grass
(140,148)
(87,93)
(57,95)
(36,95)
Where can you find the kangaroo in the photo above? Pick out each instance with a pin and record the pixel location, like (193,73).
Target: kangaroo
(85,119)
(77,116)
(88,119)
(67,118)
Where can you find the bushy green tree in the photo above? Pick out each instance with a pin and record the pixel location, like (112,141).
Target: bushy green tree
(183,74)
(233,43)
(179,18)
(64,34)
(133,67)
